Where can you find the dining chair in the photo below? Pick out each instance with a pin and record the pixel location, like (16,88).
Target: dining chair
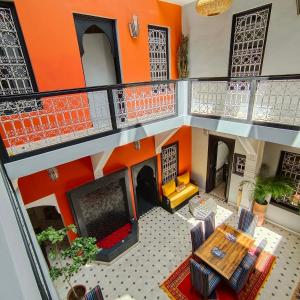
(247,221)
(204,280)
(202,231)
(242,273)
(94,294)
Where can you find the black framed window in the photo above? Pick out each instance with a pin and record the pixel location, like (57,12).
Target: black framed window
(289,167)
(169,162)
(158,52)
(16,75)
(248,41)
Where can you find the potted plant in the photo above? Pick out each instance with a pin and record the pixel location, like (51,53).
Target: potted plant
(182,57)
(265,188)
(81,251)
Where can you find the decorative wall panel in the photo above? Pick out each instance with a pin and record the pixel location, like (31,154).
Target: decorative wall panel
(239,164)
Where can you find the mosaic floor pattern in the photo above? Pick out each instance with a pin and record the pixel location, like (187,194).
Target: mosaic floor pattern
(165,243)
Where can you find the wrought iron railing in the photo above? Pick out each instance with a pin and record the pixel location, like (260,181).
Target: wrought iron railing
(265,100)
(37,122)
(34,123)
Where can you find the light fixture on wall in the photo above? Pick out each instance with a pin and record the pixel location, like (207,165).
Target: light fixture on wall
(212,7)
(53,173)
(137,145)
(134,27)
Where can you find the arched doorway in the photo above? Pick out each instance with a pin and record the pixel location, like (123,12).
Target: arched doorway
(144,177)
(219,162)
(41,218)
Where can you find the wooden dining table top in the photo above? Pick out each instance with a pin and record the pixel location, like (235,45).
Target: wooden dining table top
(234,251)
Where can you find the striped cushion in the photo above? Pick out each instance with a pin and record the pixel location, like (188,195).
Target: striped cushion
(247,221)
(94,294)
(241,274)
(204,280)
(202,231)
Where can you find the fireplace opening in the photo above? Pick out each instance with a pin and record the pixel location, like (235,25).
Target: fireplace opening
(144,177)
(103,209)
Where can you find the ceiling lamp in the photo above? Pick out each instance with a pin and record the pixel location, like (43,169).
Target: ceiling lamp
(212,7)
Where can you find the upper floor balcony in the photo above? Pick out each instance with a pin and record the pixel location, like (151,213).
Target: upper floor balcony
(90,120)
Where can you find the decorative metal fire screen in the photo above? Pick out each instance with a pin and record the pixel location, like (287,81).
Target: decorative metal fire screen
(277,101)
(139,104)
(62,118)
(169,162)
(249,34)
(289,166)
(158,52)
(220,98)
(16,76)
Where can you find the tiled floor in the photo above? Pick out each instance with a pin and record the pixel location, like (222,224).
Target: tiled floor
(165,243)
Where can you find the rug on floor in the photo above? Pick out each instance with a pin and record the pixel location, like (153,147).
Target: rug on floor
(178,285)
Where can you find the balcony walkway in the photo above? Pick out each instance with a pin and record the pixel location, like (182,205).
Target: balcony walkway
(165,243)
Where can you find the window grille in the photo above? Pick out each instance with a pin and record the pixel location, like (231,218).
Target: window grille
(15,70)
(249,35)
(239,164)
(158,52)
(169,159)
(289,167)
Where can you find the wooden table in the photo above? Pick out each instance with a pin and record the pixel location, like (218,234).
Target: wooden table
(234,251)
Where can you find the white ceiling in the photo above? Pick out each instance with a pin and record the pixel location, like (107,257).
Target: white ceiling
(179,2)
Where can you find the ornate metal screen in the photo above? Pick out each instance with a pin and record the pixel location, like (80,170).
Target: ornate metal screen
(139,104)
(158,52)
(277,101)
(239,164)
(15,71)
(249,34)
(169,161)
(218,98)
(289,166)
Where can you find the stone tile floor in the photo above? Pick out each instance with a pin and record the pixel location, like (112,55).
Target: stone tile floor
(165,243)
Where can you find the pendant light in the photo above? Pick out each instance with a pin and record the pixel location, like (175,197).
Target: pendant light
(212,7)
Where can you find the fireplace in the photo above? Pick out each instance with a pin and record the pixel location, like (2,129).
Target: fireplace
(103,209)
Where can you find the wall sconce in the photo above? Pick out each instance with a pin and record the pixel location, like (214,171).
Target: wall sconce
(134,27)
(137,145)
(53,173)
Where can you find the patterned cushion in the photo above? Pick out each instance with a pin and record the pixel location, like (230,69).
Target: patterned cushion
(184,178)
(94,294)
(241,274)
(169,188)
(204,279)
(202,231)
(247,221)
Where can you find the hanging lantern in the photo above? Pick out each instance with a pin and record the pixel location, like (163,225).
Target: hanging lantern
(212,7)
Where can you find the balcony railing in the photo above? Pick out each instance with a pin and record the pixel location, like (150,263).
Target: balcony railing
(34,123)
(271,101)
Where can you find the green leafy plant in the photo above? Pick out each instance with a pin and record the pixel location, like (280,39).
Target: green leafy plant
(81,251)
(182,57)
(276,187)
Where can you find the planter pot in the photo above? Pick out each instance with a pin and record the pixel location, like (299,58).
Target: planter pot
(260,211)
(80,291)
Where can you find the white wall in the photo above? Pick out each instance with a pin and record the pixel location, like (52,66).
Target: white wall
(222,155)
(277,214)
(97,60)
(210,39)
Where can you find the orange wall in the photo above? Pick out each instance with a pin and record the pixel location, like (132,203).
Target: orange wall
(76,173)
(50,35)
